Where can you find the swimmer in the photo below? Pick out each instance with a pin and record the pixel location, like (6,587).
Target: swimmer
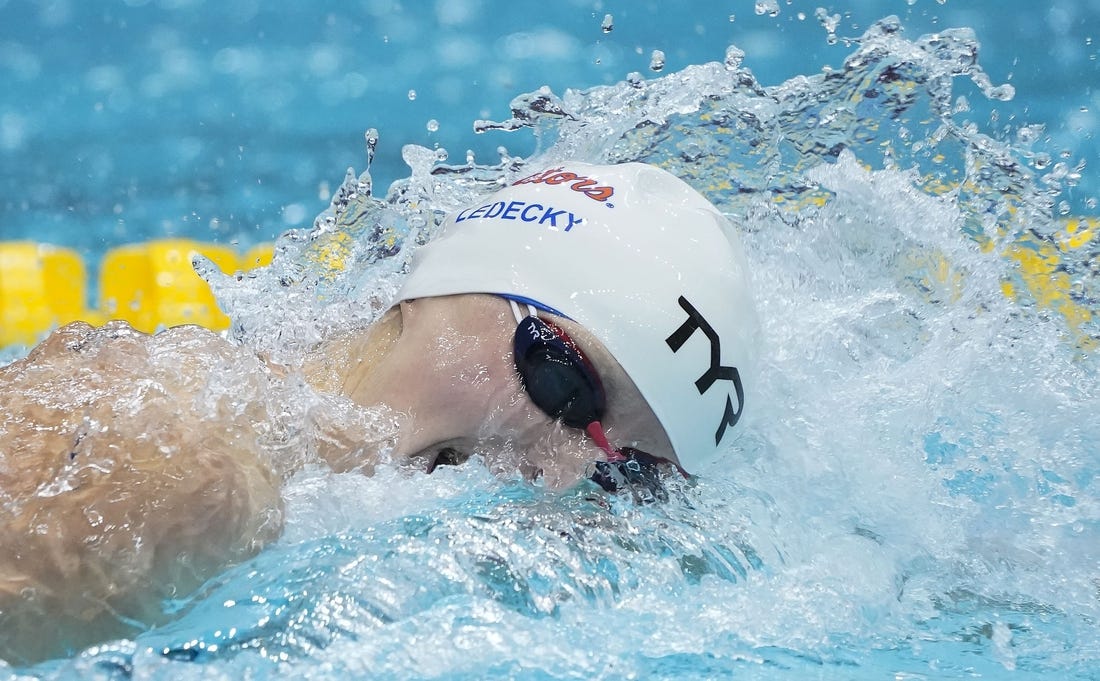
(585,322)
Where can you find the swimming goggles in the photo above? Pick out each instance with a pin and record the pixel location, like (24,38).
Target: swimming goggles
(563,383)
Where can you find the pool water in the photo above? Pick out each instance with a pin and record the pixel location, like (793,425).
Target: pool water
(232,121)
(915,495)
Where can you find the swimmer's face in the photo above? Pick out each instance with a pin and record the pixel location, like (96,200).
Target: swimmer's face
(469,399)
(544,446)
(451,372)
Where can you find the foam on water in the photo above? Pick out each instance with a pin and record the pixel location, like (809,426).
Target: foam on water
(915,492)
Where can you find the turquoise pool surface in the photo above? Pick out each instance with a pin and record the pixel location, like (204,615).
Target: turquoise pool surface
(917,495)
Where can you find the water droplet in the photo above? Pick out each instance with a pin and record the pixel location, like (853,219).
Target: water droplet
(294,214)
(1028,134)
(95,518)
(608,23)
(657,61)
(412,95)
(769,7)
(829,23)
(1002,93)
(734,57)
(371,138)
(433,125)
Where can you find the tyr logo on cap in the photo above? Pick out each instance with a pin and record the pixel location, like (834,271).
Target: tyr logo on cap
(716,371)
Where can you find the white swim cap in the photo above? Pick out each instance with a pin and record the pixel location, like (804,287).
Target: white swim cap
(637,257)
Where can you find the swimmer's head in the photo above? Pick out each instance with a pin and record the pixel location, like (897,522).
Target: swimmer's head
(637,257)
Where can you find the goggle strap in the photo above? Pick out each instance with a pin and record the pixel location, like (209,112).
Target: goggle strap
(531,311)
(596,432)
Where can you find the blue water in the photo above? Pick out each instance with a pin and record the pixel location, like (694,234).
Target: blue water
(224,121)
(916,495)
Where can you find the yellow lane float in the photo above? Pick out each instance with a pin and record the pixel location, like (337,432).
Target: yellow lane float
(41,287)
(149,285)
(153,285)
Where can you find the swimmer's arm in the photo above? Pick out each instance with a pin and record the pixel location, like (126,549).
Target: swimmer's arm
(119,488)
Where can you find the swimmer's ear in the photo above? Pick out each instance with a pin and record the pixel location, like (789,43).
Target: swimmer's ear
(448,456)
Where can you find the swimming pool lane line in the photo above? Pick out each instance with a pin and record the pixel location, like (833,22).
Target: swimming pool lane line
(150,285)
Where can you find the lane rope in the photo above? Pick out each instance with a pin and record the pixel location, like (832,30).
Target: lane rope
(151,285)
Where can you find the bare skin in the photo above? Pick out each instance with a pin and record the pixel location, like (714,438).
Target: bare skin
(101,448)
(131,471)
(447,364)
